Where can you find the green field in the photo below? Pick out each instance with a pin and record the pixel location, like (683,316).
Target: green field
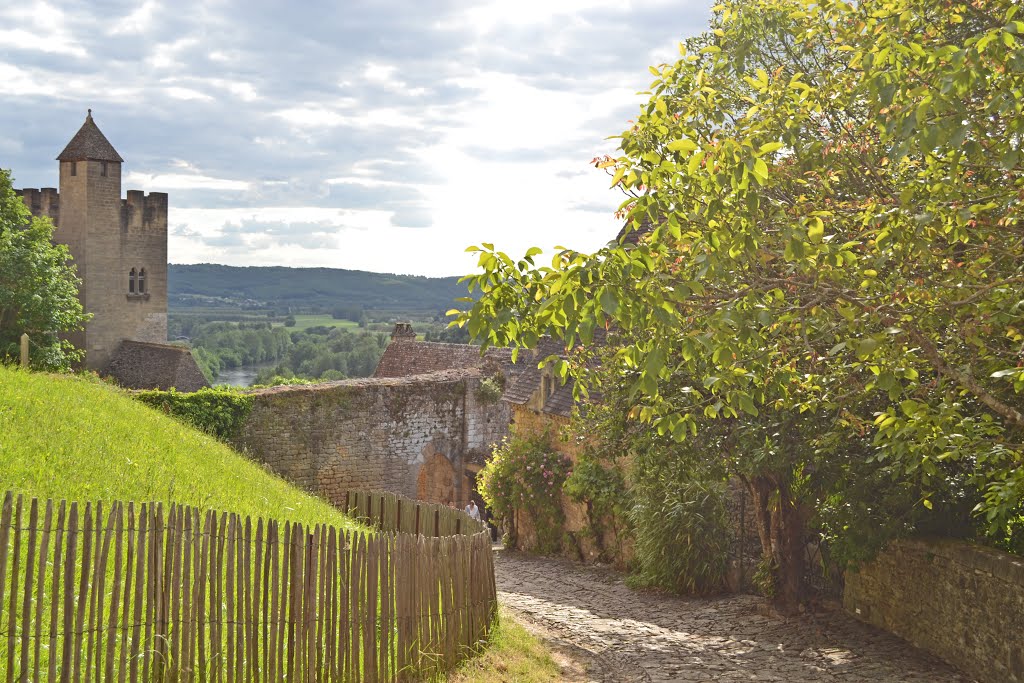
(67,437)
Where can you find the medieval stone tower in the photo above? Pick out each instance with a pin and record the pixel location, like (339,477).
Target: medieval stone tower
(119,245)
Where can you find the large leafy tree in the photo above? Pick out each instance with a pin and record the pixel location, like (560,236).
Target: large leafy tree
(831,199)
(38,287)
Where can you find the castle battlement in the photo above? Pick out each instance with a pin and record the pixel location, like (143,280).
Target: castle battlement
(144,213)
(42,202)
(140,212)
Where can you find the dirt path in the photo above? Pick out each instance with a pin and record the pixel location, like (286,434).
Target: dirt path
(626,635)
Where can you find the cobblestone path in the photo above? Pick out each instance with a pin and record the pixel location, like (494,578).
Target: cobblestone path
(626,635)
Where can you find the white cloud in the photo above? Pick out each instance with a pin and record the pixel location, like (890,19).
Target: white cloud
(138,21)
(509,113)
(385,75)
(311,116)
(168,55)
(39,27)
(24,40)
(19,81)
(162,182)
(180,93)
(315,116)
(517,206)
(392,139)
(487,16)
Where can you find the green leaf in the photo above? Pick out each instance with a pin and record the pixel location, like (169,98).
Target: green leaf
(695,162)
(760,171)
(865,347)
(747,405)
(682,145)
(909,407)
(655,361)
(609,303)
(815,230)
(619,172)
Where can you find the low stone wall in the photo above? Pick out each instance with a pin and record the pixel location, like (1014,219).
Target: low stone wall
(409,435)
(958,601)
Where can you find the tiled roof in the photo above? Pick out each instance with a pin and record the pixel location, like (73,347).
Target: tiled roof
(529,380)
(634,236)
(89,143)
(404,357)
(145,365)
(560,402)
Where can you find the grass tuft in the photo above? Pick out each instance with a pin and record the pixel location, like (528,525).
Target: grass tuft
(513,654)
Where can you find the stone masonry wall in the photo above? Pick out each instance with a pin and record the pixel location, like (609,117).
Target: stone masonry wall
(487,423)
(960,602)
(372,434)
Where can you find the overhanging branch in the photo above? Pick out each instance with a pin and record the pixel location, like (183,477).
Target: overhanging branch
(965,380)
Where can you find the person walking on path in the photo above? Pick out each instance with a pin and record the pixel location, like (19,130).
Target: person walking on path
(473,511)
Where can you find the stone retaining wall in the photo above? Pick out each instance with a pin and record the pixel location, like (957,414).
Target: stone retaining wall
(958,601)
(410,435)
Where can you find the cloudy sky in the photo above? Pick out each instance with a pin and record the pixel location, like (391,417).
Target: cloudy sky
(381,135)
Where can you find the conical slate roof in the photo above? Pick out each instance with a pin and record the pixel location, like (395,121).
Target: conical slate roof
(89,143)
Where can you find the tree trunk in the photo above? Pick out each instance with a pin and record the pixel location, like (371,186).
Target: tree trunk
(780,525)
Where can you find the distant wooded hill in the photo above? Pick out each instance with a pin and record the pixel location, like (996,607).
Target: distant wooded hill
(299,290)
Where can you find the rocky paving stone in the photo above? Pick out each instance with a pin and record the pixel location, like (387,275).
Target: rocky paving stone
(627,635)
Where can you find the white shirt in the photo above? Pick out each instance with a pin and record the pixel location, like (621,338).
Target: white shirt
(473,511)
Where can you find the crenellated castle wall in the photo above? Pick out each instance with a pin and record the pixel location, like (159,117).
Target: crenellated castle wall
(108,236)
(142,213)
(42,202)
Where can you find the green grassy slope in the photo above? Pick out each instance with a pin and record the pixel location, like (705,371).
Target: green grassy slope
(67,437)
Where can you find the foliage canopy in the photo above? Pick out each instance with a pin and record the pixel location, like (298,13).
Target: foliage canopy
(38,286)
(830,200)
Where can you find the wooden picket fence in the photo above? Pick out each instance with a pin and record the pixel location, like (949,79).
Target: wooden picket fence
(145,593)
(392,512)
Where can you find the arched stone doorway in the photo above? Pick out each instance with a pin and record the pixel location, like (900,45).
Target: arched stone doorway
(437,482)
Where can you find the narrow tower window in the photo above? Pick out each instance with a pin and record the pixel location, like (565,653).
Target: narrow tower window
(131,281)
(74,168)
(103,169)
(142,281)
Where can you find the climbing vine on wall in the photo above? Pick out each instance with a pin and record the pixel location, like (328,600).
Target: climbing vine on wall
(525,473)
(219,411)
(600,484)
(491,388)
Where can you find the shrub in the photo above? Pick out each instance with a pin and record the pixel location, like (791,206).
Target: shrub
(219,411)
(525,473)
(491,389)
(601,486)
(681,530)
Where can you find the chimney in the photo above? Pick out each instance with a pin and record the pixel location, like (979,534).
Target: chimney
(403,332)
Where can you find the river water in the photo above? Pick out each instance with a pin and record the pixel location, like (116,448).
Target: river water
(242,376)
